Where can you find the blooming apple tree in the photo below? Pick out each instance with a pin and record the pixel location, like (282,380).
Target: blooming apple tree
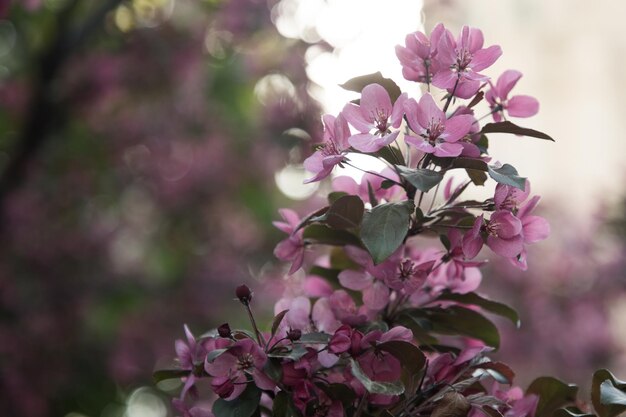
(386,319)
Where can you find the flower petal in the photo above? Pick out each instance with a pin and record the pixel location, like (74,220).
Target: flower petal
(355,280)
(354,116)
(522,106)
(375,100)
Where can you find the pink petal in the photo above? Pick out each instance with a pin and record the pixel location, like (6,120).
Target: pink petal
(289,216)
(328,120)
(457,127)
(262,381)
(354,116)
(446,150)
(506,224)
(446,53)
(508,248)
(346,184)
(472,241)
(222,365)
(297,262)
(355,280)
(527,208)
(286,249)
(535,229)
(398,110)
(419,143)
(444,78)
(412,110)
(397,333)
(429,111)
(485,58)
(522,106)
(375,100)
(475,40)
(342,132)
(470,282)
(506,82)
(467,88)
(376,297)
(363,142)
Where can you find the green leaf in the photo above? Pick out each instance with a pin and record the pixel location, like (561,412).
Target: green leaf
(243,406)
(498,370)
(375,387)
(359,83)
(409,355)
(163,374)
(422,179)
(273,369)
(456,320)
(477,177)
(508,127)
(335,195)
(608,394)
(571,412)
(507,174)
(392,155)
(553,394)
(483,143)
(212,355)
(331,274)
(345,213)
(384,228)
(295,353)
(492,306)
(318,233)
(339,392)
(314,338)
(277,319)
(469,163)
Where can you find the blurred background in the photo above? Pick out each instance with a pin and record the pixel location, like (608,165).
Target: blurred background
(145,146)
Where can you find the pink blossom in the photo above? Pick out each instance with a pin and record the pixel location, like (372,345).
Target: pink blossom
(297,316)
(233,367)
(455,273)
(510,198)
(417,57)
(373,118)
(292,248)
(369,280)
(503,235)
(460,62)
(437,134)
(349,185)
(410,276)
(516,106)
(323,316)
(346,339)
(534,229)
(345,310)
(332,152)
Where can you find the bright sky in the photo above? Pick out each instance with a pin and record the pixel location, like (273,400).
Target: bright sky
(362,45)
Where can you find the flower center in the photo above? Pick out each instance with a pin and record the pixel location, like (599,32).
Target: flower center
(245,362)
(330,149)
(435,129)
(406,269)
(380,121)
(492,228)
(463,59)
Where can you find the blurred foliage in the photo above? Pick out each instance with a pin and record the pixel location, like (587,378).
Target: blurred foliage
(146,189)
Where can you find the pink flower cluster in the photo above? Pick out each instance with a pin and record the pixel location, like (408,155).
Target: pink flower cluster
(379,314)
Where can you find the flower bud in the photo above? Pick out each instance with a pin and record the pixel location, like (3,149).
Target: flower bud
(244,294)
(294,334)
(224,330)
